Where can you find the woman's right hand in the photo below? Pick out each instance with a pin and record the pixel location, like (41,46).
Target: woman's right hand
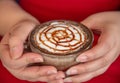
(16,62)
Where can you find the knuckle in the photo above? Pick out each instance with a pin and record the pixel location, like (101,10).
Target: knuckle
(92,55)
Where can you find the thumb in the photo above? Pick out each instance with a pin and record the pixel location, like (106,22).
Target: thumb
(18,36)
(93,22)
(102,47)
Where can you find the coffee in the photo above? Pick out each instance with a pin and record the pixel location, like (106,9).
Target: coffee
(60,42)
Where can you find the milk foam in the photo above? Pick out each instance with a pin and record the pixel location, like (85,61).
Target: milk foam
(72,39)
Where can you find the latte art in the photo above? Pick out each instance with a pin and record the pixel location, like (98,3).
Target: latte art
(60,42)
(60,37)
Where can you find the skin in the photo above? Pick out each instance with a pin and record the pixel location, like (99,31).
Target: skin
(97,60)
(100,57)
(14,34)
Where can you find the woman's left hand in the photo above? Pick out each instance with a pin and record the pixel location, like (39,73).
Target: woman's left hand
(98,59)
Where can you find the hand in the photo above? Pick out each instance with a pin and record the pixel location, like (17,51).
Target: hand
(101,56)
(16,62)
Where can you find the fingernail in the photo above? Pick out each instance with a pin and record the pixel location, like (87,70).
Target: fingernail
(51,72)
(72,72)
(38,60)
(82,58)
(67,80)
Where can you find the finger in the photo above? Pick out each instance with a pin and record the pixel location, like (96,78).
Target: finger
(28,58)
(93,65)
(17,38)
(4,44)
(41,79)
(102,48)
(23,61)
(36,73)
(4,54)
(57,76)
(56,81)
(85,77)
(16,47)
(4,40)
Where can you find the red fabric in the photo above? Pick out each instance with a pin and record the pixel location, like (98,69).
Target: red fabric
(112,75)
(76,10)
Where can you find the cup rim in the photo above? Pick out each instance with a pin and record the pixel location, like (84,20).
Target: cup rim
(88,45)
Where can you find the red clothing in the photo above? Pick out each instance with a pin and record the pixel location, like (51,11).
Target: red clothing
(76,10)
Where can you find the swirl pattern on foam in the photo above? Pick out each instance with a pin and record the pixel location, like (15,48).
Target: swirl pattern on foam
(60,37)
